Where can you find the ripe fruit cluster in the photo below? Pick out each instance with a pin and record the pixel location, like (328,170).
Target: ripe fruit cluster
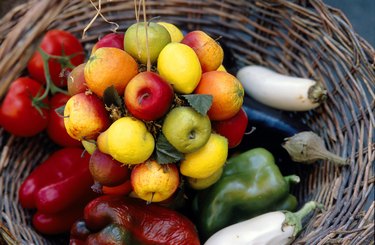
(163,108)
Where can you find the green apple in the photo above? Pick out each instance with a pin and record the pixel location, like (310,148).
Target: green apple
(186,129)
(135,41)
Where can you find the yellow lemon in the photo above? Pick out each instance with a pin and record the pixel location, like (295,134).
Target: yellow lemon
(203,183)
(127,140)
(207,160)
(179,65)
(174,31)
(221,68)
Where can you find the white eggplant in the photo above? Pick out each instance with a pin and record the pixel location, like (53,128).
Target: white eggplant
(280,91)
(279,227)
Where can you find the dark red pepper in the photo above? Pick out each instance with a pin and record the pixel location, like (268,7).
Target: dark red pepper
(59,187)
(111,219)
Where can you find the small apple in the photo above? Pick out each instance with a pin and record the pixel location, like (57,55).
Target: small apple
(209,52)
(135,41)
(76,80)
(85,116)
(233,128)
(154,182)
(186,129)
(148,96)
(106,170)
(114,40)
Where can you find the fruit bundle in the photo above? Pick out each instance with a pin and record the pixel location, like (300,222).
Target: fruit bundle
(153,108)
(161,107)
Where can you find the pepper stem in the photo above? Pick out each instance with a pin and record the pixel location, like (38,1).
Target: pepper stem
(295,219)
(292,179)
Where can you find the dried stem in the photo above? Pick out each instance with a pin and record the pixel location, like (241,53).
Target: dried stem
(308,147)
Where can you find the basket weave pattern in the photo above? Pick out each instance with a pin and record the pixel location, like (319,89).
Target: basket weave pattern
(301,38)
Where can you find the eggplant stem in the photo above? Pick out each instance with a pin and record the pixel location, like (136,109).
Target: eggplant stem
(317,93)
(295,219)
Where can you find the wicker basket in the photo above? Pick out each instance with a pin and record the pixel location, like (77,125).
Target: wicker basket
(302,38)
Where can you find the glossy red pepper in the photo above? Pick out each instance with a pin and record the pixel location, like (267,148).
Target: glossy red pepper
(111,219)
(59,187)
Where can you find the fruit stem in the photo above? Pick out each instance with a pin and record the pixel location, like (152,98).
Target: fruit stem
(146,28)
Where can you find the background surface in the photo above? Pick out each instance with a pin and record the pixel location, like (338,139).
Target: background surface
(361,14)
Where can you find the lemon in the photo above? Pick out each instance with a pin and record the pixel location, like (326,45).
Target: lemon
(203,183)
(127,140)
(207,160)
(179,65)
(174,31)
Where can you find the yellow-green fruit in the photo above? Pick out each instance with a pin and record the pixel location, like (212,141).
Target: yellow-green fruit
(127,140)
(90,146)
(207,160)
(174,31)
(186,129)
(138,46)
(179,65)
(203,183)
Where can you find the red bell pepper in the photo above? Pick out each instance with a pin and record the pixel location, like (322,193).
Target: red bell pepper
(113,219)
(58,188)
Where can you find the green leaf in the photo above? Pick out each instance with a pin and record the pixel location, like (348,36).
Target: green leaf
(60,111)
(111,97)
(200,102)
(165,152)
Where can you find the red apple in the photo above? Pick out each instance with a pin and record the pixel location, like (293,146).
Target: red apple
(148,96)
(233,128)
(113,40)
(106,170)
(209,52)
(76,80)
(85,116)
(154,182)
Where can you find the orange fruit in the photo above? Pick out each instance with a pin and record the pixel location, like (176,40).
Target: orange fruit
(227,92)
(107,67)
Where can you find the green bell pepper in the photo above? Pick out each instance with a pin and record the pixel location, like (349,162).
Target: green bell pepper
(251,184)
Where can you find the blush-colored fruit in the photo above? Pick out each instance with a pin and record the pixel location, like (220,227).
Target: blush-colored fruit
(154,182)
(113,40)
(106,170)
(209,51)
(76,80)
(232,128)
(85,116)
